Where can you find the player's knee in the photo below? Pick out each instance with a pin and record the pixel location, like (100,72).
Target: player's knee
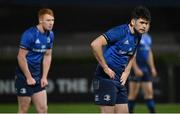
(23,109)
(42,109)
(149,95)
(131,97)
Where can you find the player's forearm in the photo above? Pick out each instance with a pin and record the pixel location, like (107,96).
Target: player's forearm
(46,65)
(134,65)
(126,72)
(151,60)
(128,68)
(98,53)
(24,66)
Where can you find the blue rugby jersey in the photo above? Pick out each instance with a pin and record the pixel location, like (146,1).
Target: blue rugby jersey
(37,44)
(121,47)
(143,52)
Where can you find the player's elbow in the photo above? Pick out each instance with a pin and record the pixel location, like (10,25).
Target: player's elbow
(20,57)
(94,44)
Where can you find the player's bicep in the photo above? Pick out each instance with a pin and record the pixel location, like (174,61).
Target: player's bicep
(22,53)
(26,40)
(99,41)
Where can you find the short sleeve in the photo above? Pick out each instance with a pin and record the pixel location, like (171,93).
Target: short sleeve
(51,40)
(26,40)
(114,34)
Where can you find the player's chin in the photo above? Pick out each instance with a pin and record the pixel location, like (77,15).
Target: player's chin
(142,31)
(49,28)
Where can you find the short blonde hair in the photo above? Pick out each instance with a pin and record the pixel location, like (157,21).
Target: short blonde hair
(44,11)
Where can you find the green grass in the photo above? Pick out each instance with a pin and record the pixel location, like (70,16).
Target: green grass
(89,108)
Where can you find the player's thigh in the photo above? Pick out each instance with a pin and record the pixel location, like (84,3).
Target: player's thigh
(24,102)
(40,99)
(133,89)
(147,89)
(121,108)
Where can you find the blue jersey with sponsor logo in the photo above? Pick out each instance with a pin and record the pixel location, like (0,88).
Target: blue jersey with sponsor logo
(143,52)
(121,47)
(37,44)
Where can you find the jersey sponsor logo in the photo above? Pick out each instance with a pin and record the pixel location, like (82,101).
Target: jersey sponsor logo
(130,52)
(23,90)
(43,49)
(39,50)
(126,42)
(37,41)
(107,97)
(122,52)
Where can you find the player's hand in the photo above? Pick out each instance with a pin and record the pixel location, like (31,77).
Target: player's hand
(123,78)
(109,72)
(154,72)
(138,73)
(31,81)
(44,82)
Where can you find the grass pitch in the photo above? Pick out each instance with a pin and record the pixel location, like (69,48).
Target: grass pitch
(88,108)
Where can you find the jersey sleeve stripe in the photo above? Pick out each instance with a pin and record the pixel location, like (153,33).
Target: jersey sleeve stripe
(105,36)
(23,47)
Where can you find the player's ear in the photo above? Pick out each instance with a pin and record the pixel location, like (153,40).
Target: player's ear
(132,22)
(40,19)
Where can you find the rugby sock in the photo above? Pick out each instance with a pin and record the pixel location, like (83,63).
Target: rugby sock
(151,105)
(131,104)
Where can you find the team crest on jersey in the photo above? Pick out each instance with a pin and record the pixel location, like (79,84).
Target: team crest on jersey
(43,46)
(48,40)
(37,41)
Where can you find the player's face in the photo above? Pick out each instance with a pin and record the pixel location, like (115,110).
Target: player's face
(141,25)
(47,22)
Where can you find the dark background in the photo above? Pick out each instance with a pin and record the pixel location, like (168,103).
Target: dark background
(77,23)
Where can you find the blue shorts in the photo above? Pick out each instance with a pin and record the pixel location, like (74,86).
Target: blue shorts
(22,89)
(145,78)
(107,93)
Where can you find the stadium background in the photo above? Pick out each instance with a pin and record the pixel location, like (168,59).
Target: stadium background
(77,23)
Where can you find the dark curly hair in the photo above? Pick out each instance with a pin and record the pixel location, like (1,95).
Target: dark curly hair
(141,12)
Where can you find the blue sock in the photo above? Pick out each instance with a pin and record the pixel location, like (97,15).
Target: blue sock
(131,104)
(151,105)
